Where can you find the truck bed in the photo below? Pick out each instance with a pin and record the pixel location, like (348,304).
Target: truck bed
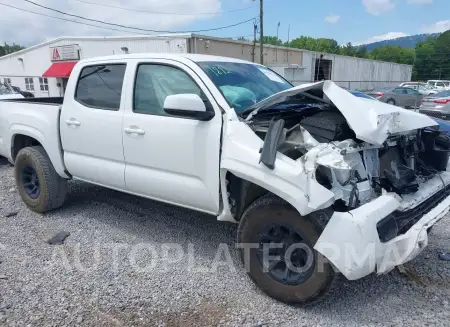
(37,118)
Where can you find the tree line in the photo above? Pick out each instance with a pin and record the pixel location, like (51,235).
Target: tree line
(7,49)
(430,59)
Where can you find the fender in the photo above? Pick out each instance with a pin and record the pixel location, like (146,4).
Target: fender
(288,180)
(51,145)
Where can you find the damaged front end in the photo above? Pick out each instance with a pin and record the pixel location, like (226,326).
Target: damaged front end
(386,181)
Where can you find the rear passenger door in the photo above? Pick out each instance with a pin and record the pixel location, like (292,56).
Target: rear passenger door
(91,124)
(414,98)
(401,97)
(170,158)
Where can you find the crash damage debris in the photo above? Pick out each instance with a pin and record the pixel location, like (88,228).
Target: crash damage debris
(59,238)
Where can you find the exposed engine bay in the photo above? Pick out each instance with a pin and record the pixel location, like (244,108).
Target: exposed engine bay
(316,133)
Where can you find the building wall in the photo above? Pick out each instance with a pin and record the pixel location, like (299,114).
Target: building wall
(36,61)
(356,73)
(244,50)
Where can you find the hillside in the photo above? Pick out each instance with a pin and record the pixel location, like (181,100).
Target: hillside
(404,42)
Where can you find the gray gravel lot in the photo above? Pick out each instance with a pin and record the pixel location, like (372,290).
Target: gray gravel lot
(97,278)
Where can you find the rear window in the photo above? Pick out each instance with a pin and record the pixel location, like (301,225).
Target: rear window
(442,94)
(100,86)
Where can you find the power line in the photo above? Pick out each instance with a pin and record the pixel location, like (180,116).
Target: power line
(70,20)
(137,28)
(164,13)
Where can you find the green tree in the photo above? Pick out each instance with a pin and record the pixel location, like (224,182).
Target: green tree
(348,50)
(320,45)
(442,55)
(7,49)
(393,54)
(425,61)
(273,40)
(242,38)
(362,52)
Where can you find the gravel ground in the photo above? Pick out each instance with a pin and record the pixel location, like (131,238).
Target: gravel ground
(103,274)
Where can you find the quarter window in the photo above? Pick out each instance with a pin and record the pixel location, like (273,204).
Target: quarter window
(7,80)
(155,82)
(29,84)
(100,86)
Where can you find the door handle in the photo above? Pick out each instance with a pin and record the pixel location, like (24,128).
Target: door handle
(134,131)
(73,122)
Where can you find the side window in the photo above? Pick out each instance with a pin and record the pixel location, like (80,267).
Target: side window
(29,84)
(155,82)
(399,91)
(440,84)
(43,83)
(412,92)
(100,86)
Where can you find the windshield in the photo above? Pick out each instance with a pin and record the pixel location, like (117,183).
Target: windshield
(4,90)
(242,84)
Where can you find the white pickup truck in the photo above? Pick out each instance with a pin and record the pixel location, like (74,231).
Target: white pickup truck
(321,182)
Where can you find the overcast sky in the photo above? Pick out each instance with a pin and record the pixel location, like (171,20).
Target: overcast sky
(357,21)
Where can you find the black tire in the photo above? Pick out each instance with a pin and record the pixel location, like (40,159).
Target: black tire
(391,101)
(52,188)
(269,210)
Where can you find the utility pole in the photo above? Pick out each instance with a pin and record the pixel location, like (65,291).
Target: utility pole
(261,31)
(255,29)
(288,43)
(276,49)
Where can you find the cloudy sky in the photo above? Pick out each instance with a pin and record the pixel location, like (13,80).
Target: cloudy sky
(357,21)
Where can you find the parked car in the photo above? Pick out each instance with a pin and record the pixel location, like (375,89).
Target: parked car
(422,88)
(301,169)
(7,93)
(437,105)
(444,126)
(25,94)
(398,96)
(439,84)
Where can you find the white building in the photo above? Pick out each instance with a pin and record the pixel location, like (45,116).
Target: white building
(44,68)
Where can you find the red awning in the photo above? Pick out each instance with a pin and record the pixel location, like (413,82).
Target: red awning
(60,69)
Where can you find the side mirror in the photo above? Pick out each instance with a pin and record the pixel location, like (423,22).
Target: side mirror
(187,105)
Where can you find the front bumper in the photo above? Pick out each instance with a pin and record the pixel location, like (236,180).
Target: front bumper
(351,240)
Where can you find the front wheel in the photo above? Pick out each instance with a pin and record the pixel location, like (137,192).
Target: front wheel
(39,185)
(277,251)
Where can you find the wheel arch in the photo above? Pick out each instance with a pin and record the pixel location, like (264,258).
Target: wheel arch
(23,136)
(239,191)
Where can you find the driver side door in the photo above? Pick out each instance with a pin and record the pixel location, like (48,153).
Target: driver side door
(170,158)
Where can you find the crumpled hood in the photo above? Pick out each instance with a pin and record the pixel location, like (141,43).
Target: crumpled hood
(372,121)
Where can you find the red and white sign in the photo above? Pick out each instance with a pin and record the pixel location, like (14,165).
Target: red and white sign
(65,53)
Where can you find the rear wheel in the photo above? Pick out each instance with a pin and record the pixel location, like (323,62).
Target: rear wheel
(391,101)
(277,251)
(39,185)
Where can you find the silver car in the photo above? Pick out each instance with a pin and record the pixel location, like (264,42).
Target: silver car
(399,96)
(437,105)
(422,88)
